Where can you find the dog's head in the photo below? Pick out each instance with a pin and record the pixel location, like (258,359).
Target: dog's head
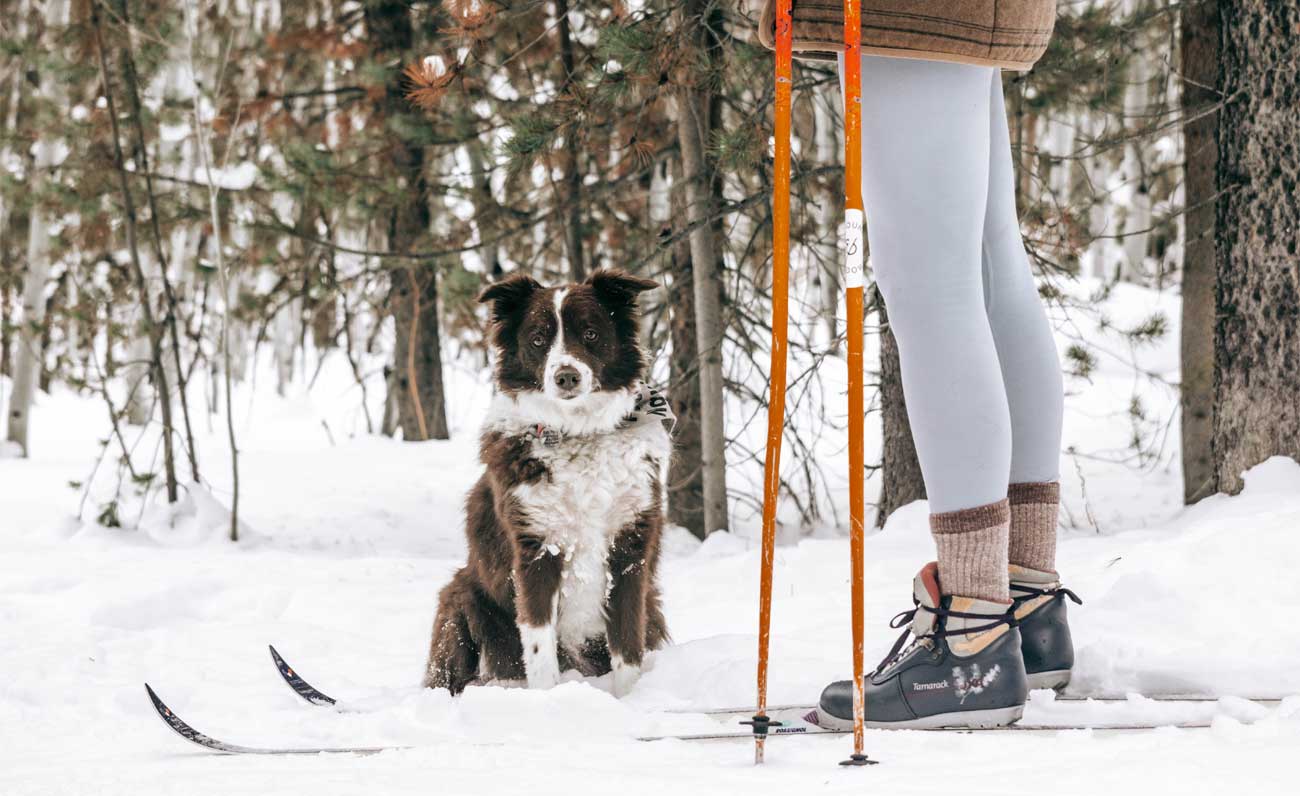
(567,342)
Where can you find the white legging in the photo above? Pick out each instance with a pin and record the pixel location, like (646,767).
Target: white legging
(979,363)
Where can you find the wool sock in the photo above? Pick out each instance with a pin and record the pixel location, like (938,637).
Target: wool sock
(972,546)
(1033,524)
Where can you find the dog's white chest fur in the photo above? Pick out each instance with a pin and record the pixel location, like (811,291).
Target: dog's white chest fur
(598,484)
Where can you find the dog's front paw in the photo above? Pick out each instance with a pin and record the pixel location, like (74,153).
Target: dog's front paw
(624,675)
(541,661)
(543,672)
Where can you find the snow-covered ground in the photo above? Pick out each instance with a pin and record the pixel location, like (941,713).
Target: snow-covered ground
(349,537)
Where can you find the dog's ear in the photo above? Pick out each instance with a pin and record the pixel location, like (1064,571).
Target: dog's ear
(509,294)
(615,287)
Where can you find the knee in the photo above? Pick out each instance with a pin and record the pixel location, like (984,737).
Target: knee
(916,302)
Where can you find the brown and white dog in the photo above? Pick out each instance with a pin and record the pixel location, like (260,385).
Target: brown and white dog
(564,524)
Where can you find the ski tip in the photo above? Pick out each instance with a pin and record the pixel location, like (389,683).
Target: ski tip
(153,697)
(158,705)
(169,718)
(300,686)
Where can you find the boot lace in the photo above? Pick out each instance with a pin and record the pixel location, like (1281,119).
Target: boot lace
(1027,593)
(940,629)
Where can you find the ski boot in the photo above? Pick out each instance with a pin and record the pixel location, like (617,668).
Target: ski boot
(1039,600)
(963,669)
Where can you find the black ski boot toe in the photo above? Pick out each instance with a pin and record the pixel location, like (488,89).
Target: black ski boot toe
(886,704)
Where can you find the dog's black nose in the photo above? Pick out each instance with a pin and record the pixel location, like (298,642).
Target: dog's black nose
(567,378)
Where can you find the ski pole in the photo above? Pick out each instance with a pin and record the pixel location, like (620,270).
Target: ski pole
(776,398)
(853,254)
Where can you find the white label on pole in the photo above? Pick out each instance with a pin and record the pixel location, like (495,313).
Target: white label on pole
(853,248)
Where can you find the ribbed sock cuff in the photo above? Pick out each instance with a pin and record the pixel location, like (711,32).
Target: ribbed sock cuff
(1033,524)
(972,545)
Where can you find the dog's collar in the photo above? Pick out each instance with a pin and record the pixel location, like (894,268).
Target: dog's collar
(651,404)
(545,435)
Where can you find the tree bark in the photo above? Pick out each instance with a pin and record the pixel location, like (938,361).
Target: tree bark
(1257,347)
(1200,70)
(8,309)
(413,293)
(685,472)
(901,481)
(388,423)
(694,110)
(572,194)
(421,411)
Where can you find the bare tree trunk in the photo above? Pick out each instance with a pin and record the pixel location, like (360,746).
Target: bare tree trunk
(56,305)
(413,293)
(30,354)
(1200,69)
(694,110)
(413,299)
(901,481)
(828,258)
(685,473)
(1060,141)
(27,368)
(388,423)
(663,207)
(1257,347)
(139,395)
(8,134)
(1137,220)
(8,309)
(487,211)
(284,343)
(1095,261)
(572,194)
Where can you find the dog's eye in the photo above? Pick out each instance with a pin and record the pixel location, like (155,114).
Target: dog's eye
(589,335)
(538,340)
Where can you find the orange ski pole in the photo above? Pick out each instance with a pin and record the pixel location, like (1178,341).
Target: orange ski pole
(776,396)
(853,253)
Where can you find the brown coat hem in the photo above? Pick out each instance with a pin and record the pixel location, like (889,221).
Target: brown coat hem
(1008,34)
(819,52)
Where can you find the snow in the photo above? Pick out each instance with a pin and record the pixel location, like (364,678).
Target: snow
(349,537)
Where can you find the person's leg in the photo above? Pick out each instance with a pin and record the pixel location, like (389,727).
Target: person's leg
(1031,370)
(925,153)
(925,166)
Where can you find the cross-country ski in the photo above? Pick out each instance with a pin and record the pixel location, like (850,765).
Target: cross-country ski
(178,725)
(657,397)
(789,722)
